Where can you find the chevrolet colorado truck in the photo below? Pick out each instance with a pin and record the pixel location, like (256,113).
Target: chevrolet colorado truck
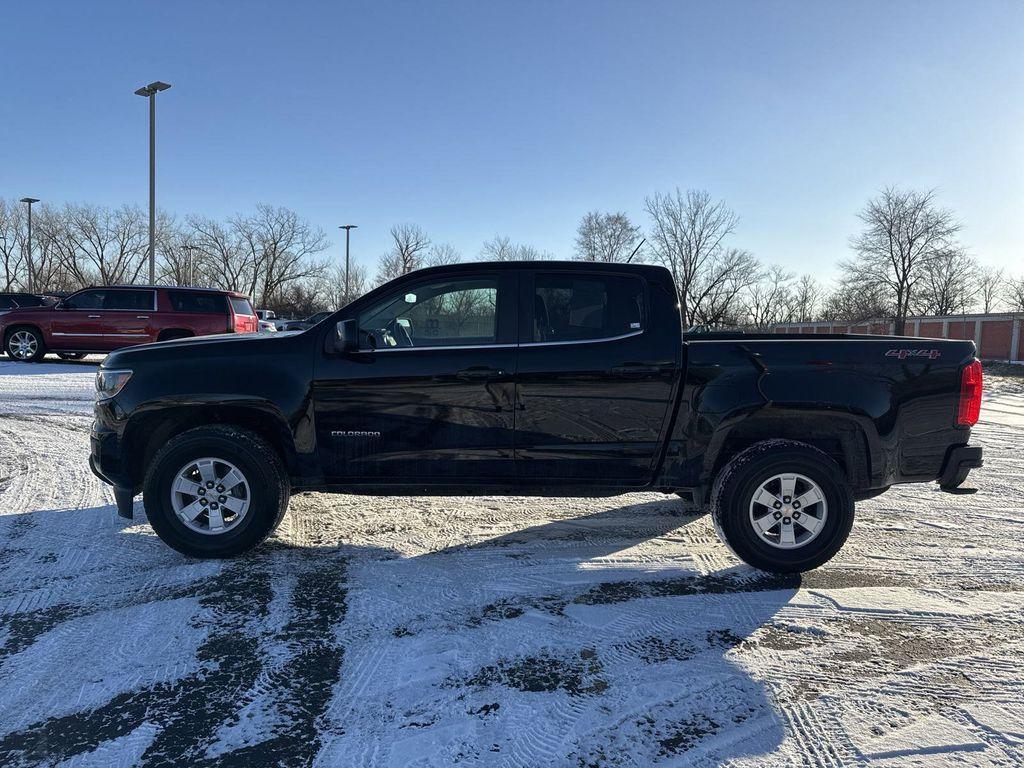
(533,379)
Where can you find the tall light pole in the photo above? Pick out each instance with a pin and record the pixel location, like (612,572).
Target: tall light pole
(150,91)
(348,229)
(29,201)
(189,270)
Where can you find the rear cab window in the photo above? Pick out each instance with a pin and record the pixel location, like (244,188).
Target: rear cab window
(570,307)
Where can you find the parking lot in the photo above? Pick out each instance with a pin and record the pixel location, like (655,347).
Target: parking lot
(499,631)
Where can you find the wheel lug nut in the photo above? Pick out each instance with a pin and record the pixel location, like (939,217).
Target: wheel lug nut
(215,505)
(203,502)
(777,505)
(787,499)
(796,515)
(785,520)
(202,491)
(220,489)
(209,484)
(777,515)
(222,499)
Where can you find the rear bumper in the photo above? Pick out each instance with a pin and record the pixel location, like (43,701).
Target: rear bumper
(959,463)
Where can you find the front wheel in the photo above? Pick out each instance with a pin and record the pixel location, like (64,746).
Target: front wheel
(25,344)
(782,506)
(215,492)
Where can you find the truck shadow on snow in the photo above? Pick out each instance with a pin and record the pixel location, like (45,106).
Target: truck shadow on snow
(540,646)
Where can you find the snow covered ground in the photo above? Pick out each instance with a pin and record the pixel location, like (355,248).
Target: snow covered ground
(505,632)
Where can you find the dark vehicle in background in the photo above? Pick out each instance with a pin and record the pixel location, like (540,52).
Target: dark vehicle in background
(22,300)
(306,323)
(533,378)
(102,319)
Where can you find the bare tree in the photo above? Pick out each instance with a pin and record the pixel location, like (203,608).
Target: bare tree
(948,284)
(715,294)
(1014,294)
(686,235)
(903,231)
(12,244)
(991,285)
(804,299)
(334,282)
(223,260)
(443,253)
(854,302)
(179,260)
(281,246)
(501,248)
(407,253)
(768,300)
(606,237)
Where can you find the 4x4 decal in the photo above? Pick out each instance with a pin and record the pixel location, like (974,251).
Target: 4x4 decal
(903,354)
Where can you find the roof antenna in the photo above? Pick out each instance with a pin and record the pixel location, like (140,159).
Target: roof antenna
(642,241)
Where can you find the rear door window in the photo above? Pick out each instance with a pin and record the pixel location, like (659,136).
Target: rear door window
(200,303)
(569,307)
(139,301)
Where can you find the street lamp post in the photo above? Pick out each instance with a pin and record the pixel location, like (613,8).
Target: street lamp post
(348,228)
(29,201)
(190,269)
(150,91)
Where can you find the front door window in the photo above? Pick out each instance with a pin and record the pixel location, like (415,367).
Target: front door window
(439,314)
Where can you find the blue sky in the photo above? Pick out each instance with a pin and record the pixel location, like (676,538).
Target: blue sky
(477,118)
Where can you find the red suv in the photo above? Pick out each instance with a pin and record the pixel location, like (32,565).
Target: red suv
(98,320)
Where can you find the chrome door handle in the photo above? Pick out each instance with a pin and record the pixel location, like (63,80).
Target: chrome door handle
(142,317)
(94,317)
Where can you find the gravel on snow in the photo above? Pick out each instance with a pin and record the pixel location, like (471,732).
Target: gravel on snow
(499,631)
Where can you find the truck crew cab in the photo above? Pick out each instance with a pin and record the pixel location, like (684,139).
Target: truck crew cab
(533,378)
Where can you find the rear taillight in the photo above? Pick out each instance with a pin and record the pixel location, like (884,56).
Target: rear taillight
(969,409)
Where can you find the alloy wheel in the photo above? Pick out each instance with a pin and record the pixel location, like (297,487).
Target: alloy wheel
(788,511)
(210,495)
(23,345)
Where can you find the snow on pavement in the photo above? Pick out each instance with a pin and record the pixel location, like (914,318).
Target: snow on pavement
(491,631)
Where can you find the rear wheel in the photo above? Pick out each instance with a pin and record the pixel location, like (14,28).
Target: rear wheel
(25,344)
(71,355)
(215,492)
(782,506)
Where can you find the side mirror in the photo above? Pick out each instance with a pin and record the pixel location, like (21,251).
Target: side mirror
(346,336)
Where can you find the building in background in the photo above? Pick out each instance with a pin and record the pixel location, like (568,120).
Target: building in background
(998,336)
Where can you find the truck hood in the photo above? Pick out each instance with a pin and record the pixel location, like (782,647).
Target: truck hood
(224,345)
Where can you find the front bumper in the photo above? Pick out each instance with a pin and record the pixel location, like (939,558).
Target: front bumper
(107,462)
(959,463)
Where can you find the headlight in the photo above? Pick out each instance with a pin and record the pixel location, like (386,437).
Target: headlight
(109,382)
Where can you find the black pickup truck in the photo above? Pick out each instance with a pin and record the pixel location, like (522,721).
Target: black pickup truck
(533,378)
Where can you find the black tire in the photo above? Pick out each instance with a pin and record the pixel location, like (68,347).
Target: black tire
(14,334)
(738,482)
(262,468)
(71,355)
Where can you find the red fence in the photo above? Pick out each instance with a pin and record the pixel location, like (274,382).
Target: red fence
(997,336)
